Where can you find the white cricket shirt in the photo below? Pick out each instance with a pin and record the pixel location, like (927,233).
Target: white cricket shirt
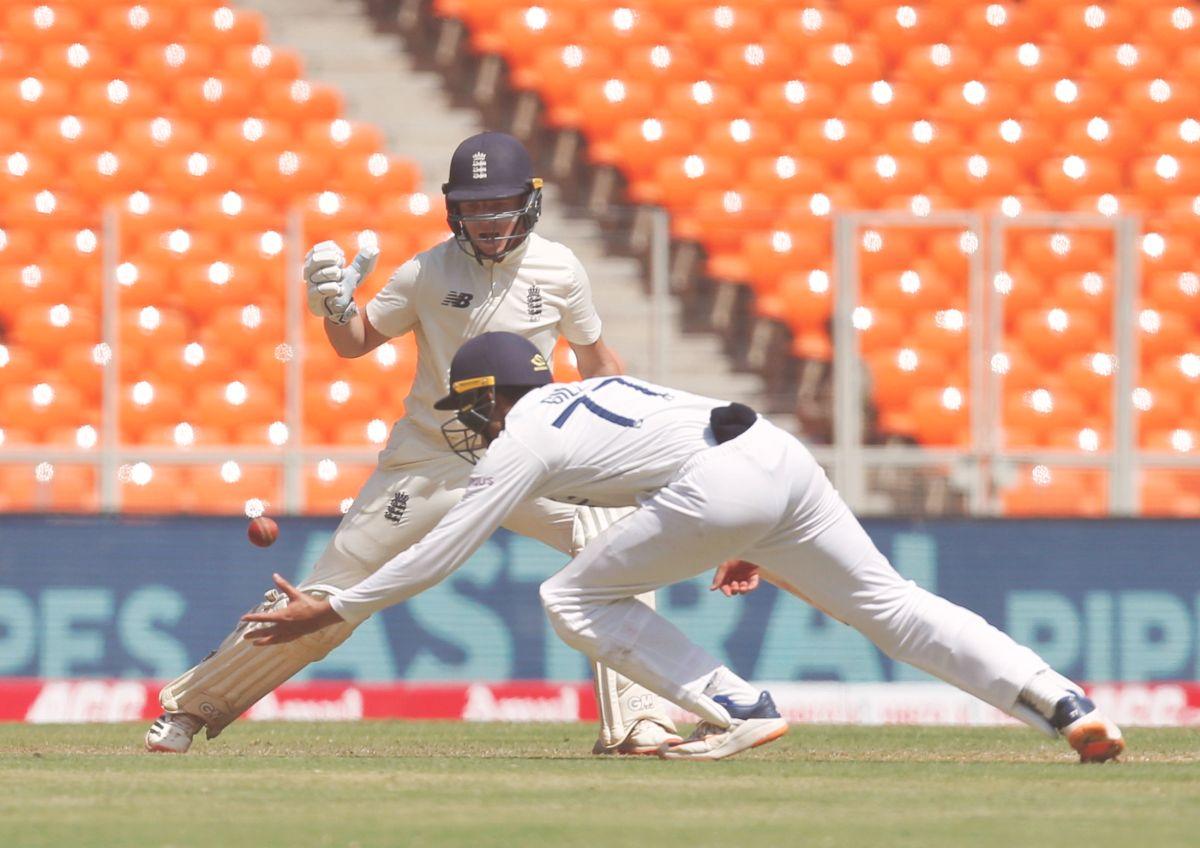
(607,441)
(445,297)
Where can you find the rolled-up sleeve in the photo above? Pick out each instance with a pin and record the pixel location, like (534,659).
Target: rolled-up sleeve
(580,322)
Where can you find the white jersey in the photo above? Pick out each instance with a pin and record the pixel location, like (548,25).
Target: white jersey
(445,297)
(606,441)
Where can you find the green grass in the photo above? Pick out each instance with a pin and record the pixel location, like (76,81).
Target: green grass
(444,784)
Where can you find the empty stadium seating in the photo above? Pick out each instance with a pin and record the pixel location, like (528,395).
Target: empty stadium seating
(990,106)
(751,121)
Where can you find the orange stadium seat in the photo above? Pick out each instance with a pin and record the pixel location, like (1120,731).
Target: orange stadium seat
(938,66)
(1055,333)
(1043,491)
(152,137)
(623,26)
(44,23)
(42,406)
(154,488)
(74,62)
(913,290)
(167,65)
(281,177)
(1081,28)
(875,178)
(26,99)
(213,98)
(299,100)
(833,141)
(897,374)
(224,26)
(17,367)
(802,28)
(228,403)
(521,31)
(370,175)
(126,26)
(16,59)
(330,486)
(258,62)
(146,404)
(555,73)
(226,488)
(942,416)
(189,363)
(1114,65)
(1007,23)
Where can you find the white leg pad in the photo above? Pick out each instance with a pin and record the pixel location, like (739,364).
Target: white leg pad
(620,702)
(237,674)
(623,703)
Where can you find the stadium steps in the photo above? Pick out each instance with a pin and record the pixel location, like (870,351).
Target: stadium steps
(384,86)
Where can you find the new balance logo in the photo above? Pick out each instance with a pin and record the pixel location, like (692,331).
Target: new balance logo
(459,300)
(396,507)
(479,166)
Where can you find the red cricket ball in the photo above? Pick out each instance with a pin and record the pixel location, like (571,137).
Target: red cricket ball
(262,531)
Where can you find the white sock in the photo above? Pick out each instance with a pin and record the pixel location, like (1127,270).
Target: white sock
(1045,689)
(725,682)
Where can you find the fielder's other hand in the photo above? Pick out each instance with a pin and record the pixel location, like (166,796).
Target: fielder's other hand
(303,614)
(735,578)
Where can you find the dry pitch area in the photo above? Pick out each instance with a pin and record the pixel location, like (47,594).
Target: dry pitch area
(443,784)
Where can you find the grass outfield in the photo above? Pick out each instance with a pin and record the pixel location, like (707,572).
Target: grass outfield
(444,784)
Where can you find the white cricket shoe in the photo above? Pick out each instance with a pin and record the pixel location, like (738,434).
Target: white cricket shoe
(645,737)
(172,733)
(1091,733)
(752,725)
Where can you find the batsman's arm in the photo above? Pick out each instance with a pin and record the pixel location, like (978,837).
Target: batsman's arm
(354,338)
(597,360)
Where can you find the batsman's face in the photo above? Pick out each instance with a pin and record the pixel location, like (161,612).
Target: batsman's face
(490,224)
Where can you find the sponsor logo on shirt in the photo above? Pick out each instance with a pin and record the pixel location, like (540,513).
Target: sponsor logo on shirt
(533,300)
(396,507)
(457,299)
(480,483)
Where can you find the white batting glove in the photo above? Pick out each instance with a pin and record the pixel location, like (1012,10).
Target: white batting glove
(330,285)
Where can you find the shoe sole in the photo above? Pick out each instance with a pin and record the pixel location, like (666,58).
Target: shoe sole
(648,751)
(770,734)
(633,751)
(163,749)
(1094,744)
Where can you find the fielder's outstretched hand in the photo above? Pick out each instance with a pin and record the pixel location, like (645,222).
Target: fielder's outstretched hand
(735,578)
(303,614)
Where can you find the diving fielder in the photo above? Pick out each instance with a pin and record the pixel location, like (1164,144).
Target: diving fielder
(494,274)
(713,482)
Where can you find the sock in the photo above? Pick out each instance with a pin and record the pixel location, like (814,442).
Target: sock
(725,682)
(1045,689)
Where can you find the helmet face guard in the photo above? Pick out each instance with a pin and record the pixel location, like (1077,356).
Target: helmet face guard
(464,432)
(525,217)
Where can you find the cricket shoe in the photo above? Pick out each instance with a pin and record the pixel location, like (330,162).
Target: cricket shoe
(172,733)
(751,725)
(645,737)
(1091,733)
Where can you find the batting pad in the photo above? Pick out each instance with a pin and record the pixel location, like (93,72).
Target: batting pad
(237,674)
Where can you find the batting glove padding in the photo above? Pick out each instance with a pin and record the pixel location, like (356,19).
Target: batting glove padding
(331,283)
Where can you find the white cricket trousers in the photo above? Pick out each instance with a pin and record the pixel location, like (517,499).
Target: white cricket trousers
(763,498)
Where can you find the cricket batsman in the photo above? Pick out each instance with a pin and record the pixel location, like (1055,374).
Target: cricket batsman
(494,274)
(713,482)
